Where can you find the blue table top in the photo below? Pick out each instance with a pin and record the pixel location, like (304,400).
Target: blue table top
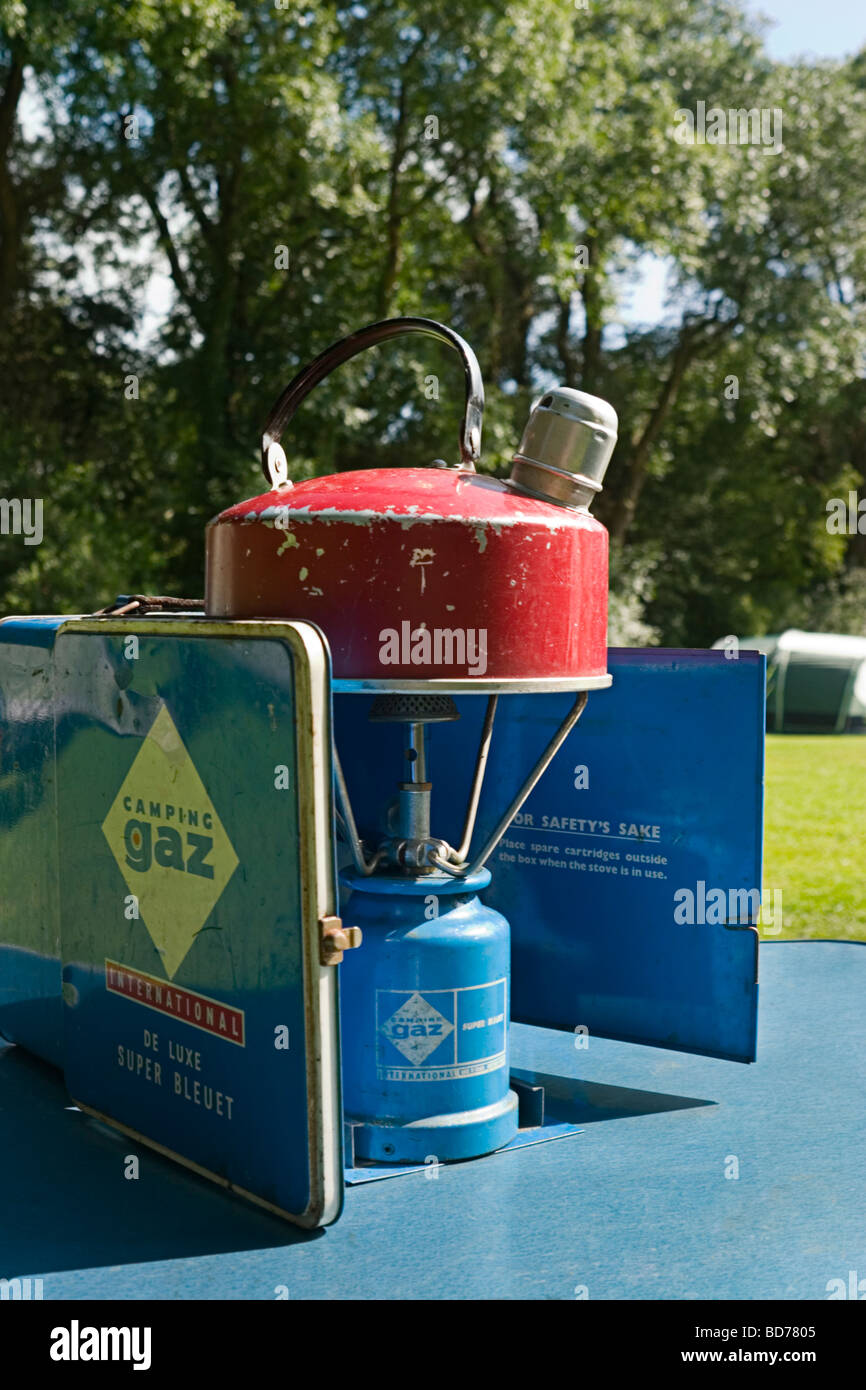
(640,1204)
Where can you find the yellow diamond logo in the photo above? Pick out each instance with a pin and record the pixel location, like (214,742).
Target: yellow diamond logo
(169,842)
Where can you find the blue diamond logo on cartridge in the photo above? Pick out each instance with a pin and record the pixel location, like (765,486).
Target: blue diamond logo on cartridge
(416,1028)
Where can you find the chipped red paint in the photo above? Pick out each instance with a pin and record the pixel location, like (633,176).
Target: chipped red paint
(365,553)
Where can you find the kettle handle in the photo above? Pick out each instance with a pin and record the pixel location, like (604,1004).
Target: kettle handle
(274,464)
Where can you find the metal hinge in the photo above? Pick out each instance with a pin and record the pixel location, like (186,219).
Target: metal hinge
(334,939)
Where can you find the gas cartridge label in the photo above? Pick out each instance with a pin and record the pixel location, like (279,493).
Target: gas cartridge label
(440,1034)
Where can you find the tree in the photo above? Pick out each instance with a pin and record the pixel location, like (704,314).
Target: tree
(296,171)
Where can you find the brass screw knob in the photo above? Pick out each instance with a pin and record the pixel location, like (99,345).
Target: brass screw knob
(335,939)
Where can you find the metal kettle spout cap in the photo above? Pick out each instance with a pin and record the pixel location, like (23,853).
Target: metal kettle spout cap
(566,447)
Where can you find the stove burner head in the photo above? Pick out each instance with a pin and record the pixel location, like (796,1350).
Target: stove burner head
(406,708)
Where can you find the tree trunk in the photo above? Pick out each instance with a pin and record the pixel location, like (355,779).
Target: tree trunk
(10,216)
(568,359)
(644,442)
(593,309)
(393,212)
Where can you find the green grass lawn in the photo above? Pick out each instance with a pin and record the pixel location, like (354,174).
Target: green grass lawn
(815,834)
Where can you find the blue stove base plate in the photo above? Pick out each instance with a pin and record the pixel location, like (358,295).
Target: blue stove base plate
(535,1134)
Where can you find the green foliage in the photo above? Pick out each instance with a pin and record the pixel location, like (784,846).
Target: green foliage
(501,165)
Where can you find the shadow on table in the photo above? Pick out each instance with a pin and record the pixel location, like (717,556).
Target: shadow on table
(64,1203)
(568,1100)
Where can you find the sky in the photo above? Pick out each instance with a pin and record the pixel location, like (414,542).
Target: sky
(812,28)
